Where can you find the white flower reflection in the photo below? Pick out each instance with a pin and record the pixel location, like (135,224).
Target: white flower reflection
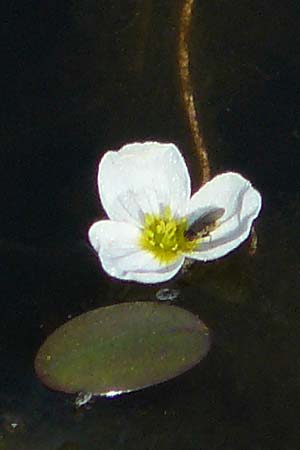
(154,222)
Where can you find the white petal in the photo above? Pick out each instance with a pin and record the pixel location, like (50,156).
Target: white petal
(117,246)
(242,204)
(143,177)
(222,191)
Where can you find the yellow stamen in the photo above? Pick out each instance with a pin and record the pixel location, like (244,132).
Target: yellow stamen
(165,236)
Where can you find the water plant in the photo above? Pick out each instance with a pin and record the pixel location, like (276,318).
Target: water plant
(154,222)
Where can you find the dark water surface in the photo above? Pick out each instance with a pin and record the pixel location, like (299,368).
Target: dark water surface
(79,78)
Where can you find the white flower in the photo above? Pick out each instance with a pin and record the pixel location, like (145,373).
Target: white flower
(154,223)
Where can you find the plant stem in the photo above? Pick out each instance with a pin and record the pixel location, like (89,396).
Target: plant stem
(186,87)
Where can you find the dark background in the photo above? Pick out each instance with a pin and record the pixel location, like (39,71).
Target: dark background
(81,77)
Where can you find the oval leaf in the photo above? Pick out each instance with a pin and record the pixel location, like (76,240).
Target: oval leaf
(122,348)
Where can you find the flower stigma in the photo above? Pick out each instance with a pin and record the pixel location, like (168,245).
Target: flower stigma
(165,236)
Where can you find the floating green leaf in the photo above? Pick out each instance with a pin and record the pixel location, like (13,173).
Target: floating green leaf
(122,348)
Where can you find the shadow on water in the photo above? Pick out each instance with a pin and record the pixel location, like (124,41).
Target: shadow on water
(82,78)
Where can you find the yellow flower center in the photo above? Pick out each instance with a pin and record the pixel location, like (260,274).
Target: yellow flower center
(165,236)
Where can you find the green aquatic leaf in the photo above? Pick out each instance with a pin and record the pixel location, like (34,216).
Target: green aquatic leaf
(122,348)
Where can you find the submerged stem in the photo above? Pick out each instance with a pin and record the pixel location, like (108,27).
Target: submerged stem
(186,87)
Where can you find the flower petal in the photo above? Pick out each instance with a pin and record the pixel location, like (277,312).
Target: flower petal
(223,191)
(117,246)
(242,204)
(143,178)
